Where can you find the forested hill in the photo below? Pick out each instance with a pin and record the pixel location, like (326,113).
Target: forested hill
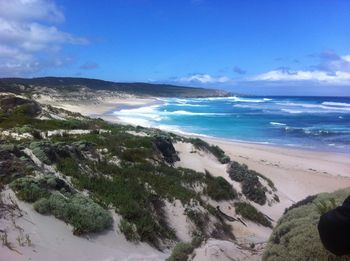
(137,88)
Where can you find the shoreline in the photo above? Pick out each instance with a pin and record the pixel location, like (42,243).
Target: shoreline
(108,115)
(104,108)
(297,172)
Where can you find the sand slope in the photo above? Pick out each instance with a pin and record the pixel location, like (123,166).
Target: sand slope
(53,240)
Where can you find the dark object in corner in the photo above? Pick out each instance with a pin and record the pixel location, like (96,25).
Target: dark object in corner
(334,229)
(166,148)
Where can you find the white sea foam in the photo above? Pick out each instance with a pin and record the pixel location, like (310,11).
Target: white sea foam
(317,108)
(182,112)
(336,104)
(149,124)
(149,116)
(154,113)
(136,121)
(186,105)
(253,100)
(149,113)
(277,123)
(232,98)
(292,111)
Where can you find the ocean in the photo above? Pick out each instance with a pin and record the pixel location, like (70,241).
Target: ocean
(317,123)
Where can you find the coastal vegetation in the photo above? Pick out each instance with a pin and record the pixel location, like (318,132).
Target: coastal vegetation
(82,170)
(249,212)
(251,185)
(219,189)
(181,252)
(53,196)
(213,149)
(295,236)
(71,84)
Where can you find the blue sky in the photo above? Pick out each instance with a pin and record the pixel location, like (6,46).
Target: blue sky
(255,46)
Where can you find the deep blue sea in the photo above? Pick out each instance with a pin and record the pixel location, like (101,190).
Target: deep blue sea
(320,123)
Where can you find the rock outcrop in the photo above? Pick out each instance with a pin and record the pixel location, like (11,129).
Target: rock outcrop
(166,148)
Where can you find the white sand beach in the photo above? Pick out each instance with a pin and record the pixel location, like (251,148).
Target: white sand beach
(296,173)
(98,106)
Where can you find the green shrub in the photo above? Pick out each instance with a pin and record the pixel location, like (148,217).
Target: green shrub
(42,206)
(197,241)
(8,147)
(87,216)
(249,212)
(296,236)
(68,166)
(28,189)
(237,172)
(181,252)
(213,149)
(323,206)
(129,230)
(200,219)
(251,186)
(44,151)
(253,190)
(79,211)
(219,189)
(305,201)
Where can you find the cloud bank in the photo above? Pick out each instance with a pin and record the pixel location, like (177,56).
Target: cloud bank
(204,78)
(331,70)
(29,37)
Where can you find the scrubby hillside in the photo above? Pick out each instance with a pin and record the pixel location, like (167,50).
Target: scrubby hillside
(98,177)
(68,84)
(295,237)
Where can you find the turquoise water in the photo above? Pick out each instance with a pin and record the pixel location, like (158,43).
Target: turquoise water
(321,123)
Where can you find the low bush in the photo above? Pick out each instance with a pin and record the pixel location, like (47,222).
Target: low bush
(181,252)
(28,189)
(237,172)
(323,206)
(87,216)
(44,151)
(200,219)
(129,230)
(249,212)
(253,190)
(68,166)
(251,186)
(79,211)
(219,189)
(296,237)
(213,149)
(197,241)
(305,201)
(42,206)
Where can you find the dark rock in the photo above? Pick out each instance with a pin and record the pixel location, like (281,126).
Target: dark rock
(166,148)
(58,184)
(11,166)
(9,104)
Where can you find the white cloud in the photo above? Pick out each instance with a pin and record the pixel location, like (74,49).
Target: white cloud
(333,70)
(21,10)
(28,33)
(337,77)
(340,64)
(205,78)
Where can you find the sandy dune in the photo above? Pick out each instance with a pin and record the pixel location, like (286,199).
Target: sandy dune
(295,173)
(52,239)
